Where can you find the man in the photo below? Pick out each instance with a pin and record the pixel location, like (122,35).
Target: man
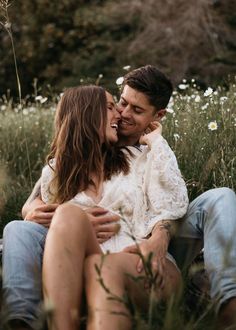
(210,220)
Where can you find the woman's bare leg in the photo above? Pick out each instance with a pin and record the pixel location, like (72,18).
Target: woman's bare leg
(114,274)
(70,239)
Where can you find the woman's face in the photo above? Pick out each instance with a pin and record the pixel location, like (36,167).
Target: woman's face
(113,118)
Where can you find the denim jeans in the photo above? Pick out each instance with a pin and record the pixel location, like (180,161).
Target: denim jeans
(210,222)
(23,245)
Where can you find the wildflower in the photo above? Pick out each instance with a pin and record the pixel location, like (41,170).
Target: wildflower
(176,136)
(223,99)
(127,67)
(25,112)
(44,100)
(197,99)
(38,98)
(208,92)
(119,81)
(32,109)
(183,86)
(205,106)
(100,76)
(41,99)
(213,126)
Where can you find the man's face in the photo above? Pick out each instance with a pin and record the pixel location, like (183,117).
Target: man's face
(136,113)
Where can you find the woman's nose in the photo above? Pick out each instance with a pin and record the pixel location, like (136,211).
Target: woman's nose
(117,114)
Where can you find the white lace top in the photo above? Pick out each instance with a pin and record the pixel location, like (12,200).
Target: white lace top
(154,190)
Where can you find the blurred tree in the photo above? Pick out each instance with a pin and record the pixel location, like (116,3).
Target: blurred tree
(62,43)
(186,38)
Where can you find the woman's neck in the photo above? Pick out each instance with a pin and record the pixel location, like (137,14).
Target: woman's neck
(95,188)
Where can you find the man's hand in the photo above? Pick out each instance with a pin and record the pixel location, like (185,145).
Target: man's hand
(41,213)
(104,223)
(157,244)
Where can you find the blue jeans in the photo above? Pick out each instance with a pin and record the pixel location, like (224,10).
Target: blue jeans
(209,222)
(23,246)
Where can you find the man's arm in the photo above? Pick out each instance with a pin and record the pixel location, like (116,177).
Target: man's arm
(157,244)
(35,210)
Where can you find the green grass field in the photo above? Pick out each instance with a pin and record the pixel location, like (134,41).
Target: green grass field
(200,126)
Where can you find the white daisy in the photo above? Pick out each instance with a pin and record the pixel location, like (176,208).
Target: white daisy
(119,81)
(208,91)
(212,126)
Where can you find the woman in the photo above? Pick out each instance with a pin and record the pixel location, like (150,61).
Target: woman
(87,171)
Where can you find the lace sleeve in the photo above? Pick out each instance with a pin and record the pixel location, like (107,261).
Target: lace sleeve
(46,178)
(166,192)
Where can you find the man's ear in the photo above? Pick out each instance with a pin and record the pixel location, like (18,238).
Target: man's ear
(160,114)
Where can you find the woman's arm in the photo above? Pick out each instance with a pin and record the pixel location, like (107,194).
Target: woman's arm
(34,197)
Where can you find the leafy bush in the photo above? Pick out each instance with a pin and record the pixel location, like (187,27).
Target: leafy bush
(61,42)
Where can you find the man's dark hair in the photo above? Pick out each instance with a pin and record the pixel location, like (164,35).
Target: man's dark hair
(151,82)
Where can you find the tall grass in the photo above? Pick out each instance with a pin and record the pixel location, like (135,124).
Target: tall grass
(201,129)
(34,123)
(207,158)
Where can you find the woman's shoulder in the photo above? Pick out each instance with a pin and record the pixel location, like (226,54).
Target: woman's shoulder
(48,169)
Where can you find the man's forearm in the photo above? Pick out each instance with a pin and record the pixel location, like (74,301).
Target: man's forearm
(35,194)
(169,226)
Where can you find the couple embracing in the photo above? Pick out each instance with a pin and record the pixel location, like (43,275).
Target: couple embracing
(112,187)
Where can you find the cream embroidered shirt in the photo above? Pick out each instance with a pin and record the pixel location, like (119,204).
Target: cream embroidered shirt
(154,190)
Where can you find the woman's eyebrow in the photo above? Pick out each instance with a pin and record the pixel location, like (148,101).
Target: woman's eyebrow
(111,103)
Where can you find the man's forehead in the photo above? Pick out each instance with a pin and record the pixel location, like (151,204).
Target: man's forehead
(131,95)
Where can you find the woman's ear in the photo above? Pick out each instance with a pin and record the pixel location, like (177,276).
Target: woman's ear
(160,114)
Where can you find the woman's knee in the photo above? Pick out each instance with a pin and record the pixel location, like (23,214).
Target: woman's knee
(173,281)
(69,215)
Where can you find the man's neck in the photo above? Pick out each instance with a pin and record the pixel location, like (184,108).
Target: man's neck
(128,140)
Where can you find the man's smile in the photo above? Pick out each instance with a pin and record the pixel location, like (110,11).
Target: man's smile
(124,123)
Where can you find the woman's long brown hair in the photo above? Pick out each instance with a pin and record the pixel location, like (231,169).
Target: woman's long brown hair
(77,147)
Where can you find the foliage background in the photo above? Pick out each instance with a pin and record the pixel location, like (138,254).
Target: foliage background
(62,42)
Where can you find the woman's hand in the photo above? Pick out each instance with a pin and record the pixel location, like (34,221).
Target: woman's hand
(154,129)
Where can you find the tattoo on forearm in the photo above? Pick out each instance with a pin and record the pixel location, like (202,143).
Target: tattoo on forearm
(168,226)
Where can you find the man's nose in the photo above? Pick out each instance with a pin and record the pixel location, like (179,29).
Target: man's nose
(125,112)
